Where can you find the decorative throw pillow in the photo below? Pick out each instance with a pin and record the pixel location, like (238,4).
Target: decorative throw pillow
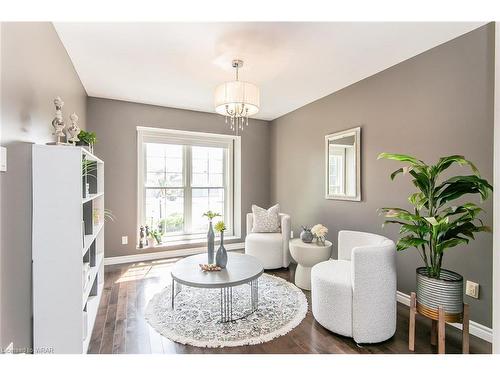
(266,221)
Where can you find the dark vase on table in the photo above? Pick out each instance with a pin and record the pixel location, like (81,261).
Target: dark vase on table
(221,257)
(210,241)
(306,235)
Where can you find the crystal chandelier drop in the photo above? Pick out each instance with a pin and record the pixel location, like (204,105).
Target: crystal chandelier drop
(237,100)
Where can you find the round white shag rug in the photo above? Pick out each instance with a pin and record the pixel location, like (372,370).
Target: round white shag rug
(196,318)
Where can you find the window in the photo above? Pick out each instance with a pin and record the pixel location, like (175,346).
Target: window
(336,174)
(181,176)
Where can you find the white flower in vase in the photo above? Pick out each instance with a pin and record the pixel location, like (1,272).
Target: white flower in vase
(320,231)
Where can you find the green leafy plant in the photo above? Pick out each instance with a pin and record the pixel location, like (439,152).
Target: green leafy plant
(156,235)
(435,224)
(89,168)
(211,214)
(220,226)
(109,215)
(89,138)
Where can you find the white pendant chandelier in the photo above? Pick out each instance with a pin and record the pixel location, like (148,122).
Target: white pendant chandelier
(237,100)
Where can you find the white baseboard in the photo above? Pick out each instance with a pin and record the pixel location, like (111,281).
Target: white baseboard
(475,328)
(166,254)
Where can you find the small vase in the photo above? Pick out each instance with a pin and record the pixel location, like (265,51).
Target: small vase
(221,257)
(320,241)
(210,243)
(306,236)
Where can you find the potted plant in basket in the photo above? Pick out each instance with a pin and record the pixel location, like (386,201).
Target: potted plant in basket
(437,223)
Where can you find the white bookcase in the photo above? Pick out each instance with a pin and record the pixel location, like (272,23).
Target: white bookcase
(68,232)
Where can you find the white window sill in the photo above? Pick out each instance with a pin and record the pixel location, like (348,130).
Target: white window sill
(192,242)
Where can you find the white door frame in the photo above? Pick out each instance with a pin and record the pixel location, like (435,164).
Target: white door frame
(496,198)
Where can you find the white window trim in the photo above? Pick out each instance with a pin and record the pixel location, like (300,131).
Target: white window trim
(171,136)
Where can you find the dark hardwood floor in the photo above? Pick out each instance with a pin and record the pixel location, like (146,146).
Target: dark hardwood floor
(120,326)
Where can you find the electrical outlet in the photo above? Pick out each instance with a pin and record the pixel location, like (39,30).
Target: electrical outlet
(124,240)
(472,289)
(3,159)
(291,234)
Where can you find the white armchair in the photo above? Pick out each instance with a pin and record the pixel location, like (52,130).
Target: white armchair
(270,248)
(355,295)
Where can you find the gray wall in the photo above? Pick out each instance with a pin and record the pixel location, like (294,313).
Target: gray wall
(35,68)
(435,104)
(115,123)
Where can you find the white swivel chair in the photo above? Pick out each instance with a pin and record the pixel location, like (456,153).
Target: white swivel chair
(355,296)
(270,248)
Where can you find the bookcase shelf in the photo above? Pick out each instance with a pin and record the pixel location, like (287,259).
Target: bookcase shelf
(89,238)
(68,246)
(91,197)
(93,274)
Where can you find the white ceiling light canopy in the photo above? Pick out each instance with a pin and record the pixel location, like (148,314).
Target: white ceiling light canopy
(237,100)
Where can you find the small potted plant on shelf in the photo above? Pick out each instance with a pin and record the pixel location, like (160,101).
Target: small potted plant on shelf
(435,224)
(87,139)
(221,257)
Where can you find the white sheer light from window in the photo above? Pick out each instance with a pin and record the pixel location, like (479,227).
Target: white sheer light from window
(184,178)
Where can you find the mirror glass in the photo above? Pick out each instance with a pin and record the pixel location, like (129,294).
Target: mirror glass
(342,161)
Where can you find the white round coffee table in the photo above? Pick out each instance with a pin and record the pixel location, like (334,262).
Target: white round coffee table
(307,255)
(241,269)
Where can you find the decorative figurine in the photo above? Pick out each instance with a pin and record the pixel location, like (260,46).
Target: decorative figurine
(141,237)
(73,130)
(148,234)
(58,122)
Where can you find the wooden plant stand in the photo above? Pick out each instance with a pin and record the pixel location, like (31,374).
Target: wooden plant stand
(438,326)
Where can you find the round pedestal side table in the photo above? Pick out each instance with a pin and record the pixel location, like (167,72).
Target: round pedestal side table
(307,255)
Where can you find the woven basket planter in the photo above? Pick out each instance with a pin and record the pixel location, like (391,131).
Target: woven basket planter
(446,292)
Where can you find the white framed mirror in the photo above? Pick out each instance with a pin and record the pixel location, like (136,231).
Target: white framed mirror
(343,169)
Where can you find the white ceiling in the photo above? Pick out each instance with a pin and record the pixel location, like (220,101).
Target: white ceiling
(179,64)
